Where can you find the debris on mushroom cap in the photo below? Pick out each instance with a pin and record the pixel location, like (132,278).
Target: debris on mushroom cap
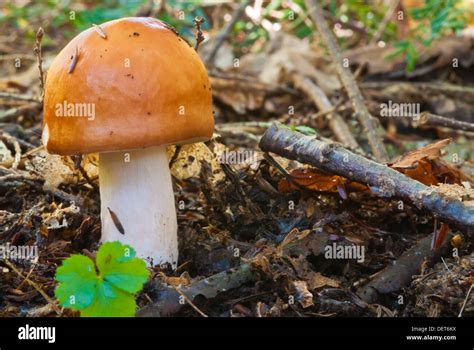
(141,87)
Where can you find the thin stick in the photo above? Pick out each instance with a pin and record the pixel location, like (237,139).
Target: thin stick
(381,29)
(433,86)
(336,123)
(34,285)
(361,111)
(223,35)
(189,302)
(198,21)
(18,97)
(437,120)
(39,56)
(175,156)
(388,182)
(465,300)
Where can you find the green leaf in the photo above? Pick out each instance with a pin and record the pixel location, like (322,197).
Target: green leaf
(78,281)
(118,265)
(304,129)
(109,293)
(110,302)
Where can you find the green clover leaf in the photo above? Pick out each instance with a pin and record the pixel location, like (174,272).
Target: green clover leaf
(110,302)
(78,280)
(108,293)
(118,265)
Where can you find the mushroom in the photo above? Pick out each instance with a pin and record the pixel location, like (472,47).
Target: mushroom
(127,89)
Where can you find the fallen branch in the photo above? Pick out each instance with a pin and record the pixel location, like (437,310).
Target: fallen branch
(399,274)
(385,181)
(168,298)
(361,111)
(429,119)
(337,125)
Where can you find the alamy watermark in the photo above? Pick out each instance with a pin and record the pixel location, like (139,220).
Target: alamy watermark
(79,110)
(238,157)
(346,252)
(400,110)
(15,253)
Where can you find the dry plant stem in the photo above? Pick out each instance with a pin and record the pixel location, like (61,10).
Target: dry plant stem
(35,286)
(336,123)
(39,56)
(11,113)
(190,302)
(437,120)
(398,275)
(433,86)
(335,159)
(367,121)
(224,34)
(198,21)
(465,300)
(140,194)
(18,97)
(381,29)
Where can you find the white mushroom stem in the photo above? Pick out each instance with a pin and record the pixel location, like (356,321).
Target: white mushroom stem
(136,186)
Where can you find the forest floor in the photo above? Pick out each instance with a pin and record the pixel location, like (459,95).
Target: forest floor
(254,232)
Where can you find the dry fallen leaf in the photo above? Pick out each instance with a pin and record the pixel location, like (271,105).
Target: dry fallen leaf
(317,280)
(314,180)
(410,160)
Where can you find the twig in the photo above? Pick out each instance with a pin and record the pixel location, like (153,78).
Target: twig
(15,112)
(17,56)
(34,285)
(465,300)
(433,86)
(361,111)
(222,36)
(175,155)
(387,182)
(336,123)
(18,97)
(78,165)
(198,21)
(437,120)
(381,29)
(386,20)
(39,57)
(190,302)
(398,275)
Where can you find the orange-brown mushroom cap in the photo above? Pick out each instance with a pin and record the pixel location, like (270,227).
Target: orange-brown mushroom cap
(141,86)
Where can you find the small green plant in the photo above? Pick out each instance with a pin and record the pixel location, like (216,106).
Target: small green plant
(442,17)
(105,288)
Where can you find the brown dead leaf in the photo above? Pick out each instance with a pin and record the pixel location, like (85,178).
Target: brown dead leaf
(425,165)
(410,160)
(317,280)
(311,179)
(314,180)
